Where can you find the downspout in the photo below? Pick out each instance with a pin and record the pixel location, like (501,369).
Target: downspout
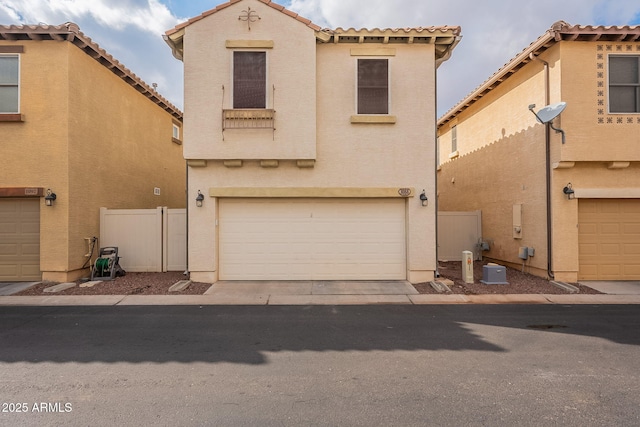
(436,273)
(547,140)
(186,163)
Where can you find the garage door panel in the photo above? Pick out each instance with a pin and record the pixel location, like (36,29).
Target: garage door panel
(609,239)
(613,229)
(306,239)
(631,228)
(20,237)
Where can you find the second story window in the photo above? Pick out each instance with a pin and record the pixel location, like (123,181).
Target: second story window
(249,80)
(373,86)
(454,139)
(9,84)
(624,84)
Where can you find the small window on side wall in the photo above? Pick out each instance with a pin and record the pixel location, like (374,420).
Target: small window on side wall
(249,80)
(373,86)
(9,84)
(176,137)
(624,84)
(454,139)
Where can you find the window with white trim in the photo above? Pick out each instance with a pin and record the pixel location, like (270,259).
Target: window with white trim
(9,83)
(373,86)
(624,83)
(249,79)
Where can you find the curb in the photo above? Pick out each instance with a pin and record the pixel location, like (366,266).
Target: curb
(252,299)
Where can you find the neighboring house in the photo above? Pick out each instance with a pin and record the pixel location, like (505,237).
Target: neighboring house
(310,147)
(493,156)
(75,122)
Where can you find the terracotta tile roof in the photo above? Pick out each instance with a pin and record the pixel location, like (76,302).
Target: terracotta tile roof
(445,38)
(559,31)
(70,32)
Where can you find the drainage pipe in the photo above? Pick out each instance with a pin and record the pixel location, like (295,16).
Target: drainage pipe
(547,139)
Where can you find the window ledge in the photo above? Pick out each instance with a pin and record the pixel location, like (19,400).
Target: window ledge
(11,117)
(454,155)
(176,141)
(373,119)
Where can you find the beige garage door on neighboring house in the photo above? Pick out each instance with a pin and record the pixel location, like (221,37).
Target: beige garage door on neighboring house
(19,240)
(312,239)
(609,239)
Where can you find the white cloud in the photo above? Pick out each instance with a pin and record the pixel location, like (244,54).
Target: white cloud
(130,30)
(146,15)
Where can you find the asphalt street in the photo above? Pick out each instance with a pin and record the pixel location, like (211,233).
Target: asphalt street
(474,365)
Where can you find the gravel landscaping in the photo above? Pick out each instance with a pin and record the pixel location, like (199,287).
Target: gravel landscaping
(519,282)
(159,284)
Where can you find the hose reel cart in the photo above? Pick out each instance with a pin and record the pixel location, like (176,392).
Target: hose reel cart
(106,266)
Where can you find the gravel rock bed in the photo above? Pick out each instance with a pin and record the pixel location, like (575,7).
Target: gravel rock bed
(159,284)
(519,282)
(129,284)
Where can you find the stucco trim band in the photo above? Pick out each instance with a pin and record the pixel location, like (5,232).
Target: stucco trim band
(379,51)
(12,49)
(21,192)
(252,44)
(372,119)
(313,192)
(607,193)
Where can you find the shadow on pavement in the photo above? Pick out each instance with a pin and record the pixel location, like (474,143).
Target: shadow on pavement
(245,334)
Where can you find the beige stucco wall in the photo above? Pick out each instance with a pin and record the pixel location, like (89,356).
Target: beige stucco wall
(502,157)
(95,141)
(587,139)
(347,155)
(291,91)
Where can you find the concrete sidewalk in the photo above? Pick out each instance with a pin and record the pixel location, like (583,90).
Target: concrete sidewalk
(330,293)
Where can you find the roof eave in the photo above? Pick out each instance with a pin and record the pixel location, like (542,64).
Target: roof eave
(70,32)
(523,58)
(559,31)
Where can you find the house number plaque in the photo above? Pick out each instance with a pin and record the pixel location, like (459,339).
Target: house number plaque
(404,192)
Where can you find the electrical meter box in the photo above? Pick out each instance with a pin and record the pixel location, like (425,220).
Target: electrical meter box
(494,275)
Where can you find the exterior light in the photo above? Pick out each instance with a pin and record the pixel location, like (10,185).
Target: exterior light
(50,197)
(568,190)
(199,199)
(423,198)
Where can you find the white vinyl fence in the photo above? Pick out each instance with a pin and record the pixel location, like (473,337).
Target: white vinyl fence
(458,232)
(148,240)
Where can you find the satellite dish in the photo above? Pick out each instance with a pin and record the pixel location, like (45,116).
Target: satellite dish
(550,112)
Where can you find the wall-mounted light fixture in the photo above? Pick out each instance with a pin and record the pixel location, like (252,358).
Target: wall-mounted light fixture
(568,190)
(423,198)
(199,199)
(50,197)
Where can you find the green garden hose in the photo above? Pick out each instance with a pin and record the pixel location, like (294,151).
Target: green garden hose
(102,265)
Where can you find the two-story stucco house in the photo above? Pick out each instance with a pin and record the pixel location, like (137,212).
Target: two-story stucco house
(77,124)
(572,197)
(311,152)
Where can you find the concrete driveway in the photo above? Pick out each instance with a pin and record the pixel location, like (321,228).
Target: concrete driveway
(10,288)
(630,287)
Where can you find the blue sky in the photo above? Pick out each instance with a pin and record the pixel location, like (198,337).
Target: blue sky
(493,31)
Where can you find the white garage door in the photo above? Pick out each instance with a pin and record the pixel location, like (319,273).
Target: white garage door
(609,239)
(312,239)
(19,240)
